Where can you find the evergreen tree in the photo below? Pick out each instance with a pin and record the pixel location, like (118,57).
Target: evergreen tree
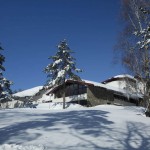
(63,67)
(5,91)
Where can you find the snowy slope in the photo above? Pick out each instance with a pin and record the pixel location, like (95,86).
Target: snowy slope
(29,92)
(102,127)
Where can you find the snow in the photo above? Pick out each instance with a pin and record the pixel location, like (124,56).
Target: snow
(103,127)
(113,88)
(29,92)
(67,67)
(57,62)
(44,98)
(57,106)
(78,70)
(148,41)
(61,73)
(68,98)
(123,76)
(20,147)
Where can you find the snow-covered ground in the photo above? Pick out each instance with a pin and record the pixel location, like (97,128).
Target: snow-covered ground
(102,127)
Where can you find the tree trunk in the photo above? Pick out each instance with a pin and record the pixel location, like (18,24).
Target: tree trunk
(147,113)
(64,96)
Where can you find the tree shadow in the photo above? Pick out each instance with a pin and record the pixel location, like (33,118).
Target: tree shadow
(85,122)
(135,137)
(138,136)
(87,126)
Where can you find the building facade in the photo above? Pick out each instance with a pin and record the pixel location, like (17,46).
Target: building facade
(90,93)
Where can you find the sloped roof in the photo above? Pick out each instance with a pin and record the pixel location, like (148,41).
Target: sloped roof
(97,84)
(28,92)
(119,77)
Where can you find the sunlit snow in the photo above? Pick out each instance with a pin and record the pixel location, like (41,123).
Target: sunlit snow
(102,127)
(29,92)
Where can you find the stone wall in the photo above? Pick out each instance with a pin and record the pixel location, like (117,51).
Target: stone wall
(99,95)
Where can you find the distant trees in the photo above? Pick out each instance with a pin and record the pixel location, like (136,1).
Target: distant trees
(134,42)
(63,67)
(5,91)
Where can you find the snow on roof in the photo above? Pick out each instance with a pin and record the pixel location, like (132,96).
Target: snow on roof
(103,85)
(117,77)
(108,87)
(28,92)
(124,76)
(124,92)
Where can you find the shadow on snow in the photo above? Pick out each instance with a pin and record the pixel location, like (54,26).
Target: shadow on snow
(92,123)
(89,122)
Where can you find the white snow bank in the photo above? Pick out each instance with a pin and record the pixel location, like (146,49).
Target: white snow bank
(58,106)
(135,109)
(44,98)
(21,147)
(29,92)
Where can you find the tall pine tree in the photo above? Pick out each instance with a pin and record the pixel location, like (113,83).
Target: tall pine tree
(5,91)
(63,67)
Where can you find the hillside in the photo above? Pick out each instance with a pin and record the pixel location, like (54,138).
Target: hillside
(29,92)
(102,127)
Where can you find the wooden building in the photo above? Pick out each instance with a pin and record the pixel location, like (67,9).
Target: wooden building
(90,93)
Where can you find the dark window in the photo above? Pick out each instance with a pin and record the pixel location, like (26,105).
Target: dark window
(70,90)
(120,97)
(59,93)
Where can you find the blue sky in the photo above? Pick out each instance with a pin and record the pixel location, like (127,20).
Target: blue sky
(31,29)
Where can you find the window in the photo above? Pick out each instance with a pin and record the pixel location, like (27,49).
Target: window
(59,93)
(75,89)
(70,90)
